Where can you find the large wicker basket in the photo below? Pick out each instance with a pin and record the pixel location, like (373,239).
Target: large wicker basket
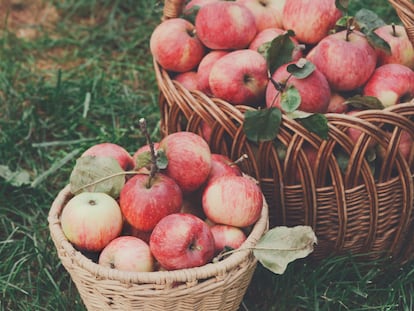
(349,212)
(215,286)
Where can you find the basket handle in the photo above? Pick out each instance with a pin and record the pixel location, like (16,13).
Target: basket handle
(405,11)
(172,8)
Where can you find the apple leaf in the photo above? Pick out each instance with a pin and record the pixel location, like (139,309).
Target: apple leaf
(97,174)
(290,100)
(162,160)
(280,51)
(364,102)
(378,42)
(368,20)
(342,5)
(301,69)
(16,178)
(281,245)
(263,124)
(316,123)
(143,160)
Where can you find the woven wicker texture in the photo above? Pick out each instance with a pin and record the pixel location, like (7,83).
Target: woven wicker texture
(215,286)
(352,211)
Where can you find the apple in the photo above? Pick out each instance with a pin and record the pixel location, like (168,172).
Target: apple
(314,90)
(188,79)
(189,159)
(391,84)
(240,78)
(402,50)
(115,151)
(204,69)
(354,133)
(225,25)
(145,203)
(337,103)
(310,20)
(193,4)
(405,146)
(127,253)
(267,35)
(233,200)
(90,220)
(222,165)
(267,13)
(227,236)
(346,59)
(175,46)
(182,241)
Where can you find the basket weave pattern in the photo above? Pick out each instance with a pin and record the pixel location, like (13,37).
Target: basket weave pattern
(351,210)
(215,286)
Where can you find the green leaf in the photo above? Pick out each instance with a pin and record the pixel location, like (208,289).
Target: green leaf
(162,160)
(364,102)
(16,178)
(316,123)
(281,245)
(378,42)
(342,5)
(280,51)
(290,100)
(263,124)
(368,20)
(301,69)
(97,174)
(143,160)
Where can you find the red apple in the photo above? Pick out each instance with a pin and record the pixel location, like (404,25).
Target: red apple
(354,133)
(222,165)
(337,103)
(193,4)
(115,151)
(346,60)
(402,50)
(189,159)
(391,84)
(144,205)
(127,253)
(182,241)
(233,200)
(267,13)
(227,236)
(310,20)
(267,35)
(405,146)
(204,68)
(225,25)
(90,220)
(240,78)
(175,46)
(314,90)
(188,79)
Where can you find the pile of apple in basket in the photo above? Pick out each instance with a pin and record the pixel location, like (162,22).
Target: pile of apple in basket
(171,205)
(305,58)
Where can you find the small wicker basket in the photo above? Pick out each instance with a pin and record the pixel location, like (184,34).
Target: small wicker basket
(215,286)
(350,211)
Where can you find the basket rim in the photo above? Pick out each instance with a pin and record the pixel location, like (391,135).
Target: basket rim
(188,275)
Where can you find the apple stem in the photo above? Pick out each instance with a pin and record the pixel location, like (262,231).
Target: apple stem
(394,32)
(280,87)
(241,159)
(154,168)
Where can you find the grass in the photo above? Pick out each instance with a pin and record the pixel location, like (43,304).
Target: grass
(81,75)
